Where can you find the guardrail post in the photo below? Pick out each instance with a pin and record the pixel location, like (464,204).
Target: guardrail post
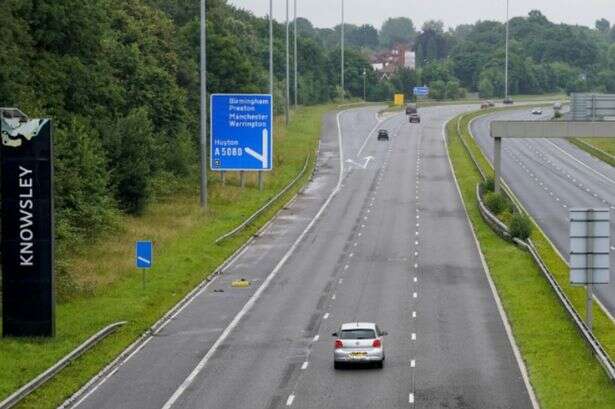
(497,162)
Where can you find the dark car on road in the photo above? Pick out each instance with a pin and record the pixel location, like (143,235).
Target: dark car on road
(383,135)
(411,109)
(414,118)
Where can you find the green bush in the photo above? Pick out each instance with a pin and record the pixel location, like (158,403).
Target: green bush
(487,185)
(496,202)
(520,226)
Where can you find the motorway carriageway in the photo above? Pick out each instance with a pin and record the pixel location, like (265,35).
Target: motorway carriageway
(551,176)
(383,239)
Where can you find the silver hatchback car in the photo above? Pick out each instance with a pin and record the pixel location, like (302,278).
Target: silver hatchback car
(359,342)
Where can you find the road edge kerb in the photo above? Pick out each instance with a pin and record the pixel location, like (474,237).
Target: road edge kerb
(133,348)
(496,296)
(41,379)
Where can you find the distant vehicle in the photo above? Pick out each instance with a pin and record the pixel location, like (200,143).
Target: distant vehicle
(411,109)
(557,106)
(508,101)
(383,135)
(487,104)
(537,111)
(359,342)
(414,118)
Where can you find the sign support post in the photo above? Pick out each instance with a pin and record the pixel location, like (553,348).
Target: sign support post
(144,257)
(589,319)
(589,253)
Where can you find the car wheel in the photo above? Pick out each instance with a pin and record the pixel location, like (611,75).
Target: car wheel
(380,364)
(337,365)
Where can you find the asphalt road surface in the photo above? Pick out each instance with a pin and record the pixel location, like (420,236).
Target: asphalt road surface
(550,176)
(393,246)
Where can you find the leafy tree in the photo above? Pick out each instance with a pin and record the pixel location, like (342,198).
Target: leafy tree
(485,88)
(84,205)
(130,146)
(404,80)
(611,57)
(603,26)
(397,31)
(437,90)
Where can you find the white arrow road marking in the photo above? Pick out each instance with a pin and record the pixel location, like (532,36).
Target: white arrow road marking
(264,157)
(364,166)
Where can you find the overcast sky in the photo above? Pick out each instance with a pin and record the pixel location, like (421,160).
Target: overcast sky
(326,13)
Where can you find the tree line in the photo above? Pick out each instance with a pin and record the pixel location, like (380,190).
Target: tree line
(120,78)
(544,56)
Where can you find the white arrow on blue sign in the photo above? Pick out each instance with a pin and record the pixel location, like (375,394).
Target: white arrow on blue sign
(241,132)
(421,91)
(144,254)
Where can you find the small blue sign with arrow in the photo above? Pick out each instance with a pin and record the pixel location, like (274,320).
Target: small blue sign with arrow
(144,254)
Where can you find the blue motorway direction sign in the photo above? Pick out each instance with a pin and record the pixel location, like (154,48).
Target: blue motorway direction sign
(144,254)
(421,91)
(241,127)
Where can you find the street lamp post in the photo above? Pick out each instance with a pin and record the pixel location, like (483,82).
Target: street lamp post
(507,36)
(295,57)
(260,173)
(343,73)
(203,136)
(271,47)
(287,64)
(364,84)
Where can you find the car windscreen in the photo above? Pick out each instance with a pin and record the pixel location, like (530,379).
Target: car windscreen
(358,334)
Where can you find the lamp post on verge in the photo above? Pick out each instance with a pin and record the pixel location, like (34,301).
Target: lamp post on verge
(287,64)
(507,36)
(364,84)
(295,58)
(203,136)
(260,173)
(343,71)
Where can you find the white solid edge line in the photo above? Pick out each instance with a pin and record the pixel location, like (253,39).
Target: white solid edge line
(605,177)
(248,306)
(511,338)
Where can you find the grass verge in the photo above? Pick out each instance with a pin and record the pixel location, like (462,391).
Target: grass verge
(562,369)
(185,255)
(601,148)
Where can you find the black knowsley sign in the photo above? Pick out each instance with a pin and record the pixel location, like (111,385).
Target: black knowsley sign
(28,300)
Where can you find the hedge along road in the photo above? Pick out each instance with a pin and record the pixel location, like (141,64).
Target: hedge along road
(550,177)
(393,246)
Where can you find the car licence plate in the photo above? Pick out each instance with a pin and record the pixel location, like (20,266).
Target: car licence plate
(358,355)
